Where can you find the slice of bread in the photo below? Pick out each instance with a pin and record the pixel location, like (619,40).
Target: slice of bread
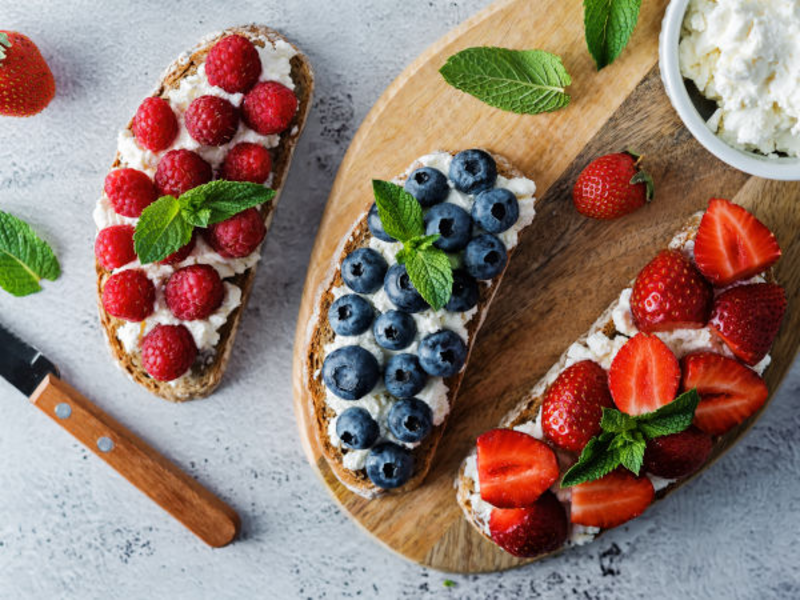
(208,369)
(320,333)
(525,414)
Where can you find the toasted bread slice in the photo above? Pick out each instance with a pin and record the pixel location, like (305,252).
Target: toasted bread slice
(525,416)
(206,374)
(320,334)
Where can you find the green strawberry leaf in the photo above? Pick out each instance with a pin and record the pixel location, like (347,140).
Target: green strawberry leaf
(519,81)
(608,25)
(430,271)
(399,211)
(161,230)
(25,259)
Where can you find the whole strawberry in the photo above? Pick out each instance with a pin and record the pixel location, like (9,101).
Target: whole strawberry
(612,186)
(26,82)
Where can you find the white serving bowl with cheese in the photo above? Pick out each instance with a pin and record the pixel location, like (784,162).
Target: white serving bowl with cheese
(742,91)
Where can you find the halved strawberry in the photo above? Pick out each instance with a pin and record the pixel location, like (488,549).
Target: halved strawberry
(573,405)
(670,293)
(748,317)
(514,468)
(729,391)
(678,454)
(611,500)
(531,531)
(644,375)
(732,245)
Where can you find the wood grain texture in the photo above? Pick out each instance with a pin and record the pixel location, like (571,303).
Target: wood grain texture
(205,515)
(566,270)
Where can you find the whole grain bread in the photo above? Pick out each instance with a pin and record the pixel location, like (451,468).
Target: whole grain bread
(320,334)
(528,408)
(208,370)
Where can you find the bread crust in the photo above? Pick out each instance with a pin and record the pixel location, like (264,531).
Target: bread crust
(319,334)
(528,408)
(205,376)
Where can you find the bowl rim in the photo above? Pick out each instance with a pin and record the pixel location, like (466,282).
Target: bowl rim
(783,168)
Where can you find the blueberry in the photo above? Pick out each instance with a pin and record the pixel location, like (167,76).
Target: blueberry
(357,429)
(410,420)
(350,315)
(428,186)
(452,223)
(495,210)
(473,171)
(401,291)
(363,270)
(465,292)
(404,376)
(443,353)
(350,372)
(389,465)
(485,256)
(394,330)
(375,225)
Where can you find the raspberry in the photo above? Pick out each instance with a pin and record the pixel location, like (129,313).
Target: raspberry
(247,162)
(129,295)
(211,121)
(155,125)
(179,171)
(233,64)
(130,191)
(114,246)
(194,292)
(269,107)
(168,352)
(181,254)
(238,236)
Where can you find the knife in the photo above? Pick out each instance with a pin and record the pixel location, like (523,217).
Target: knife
(28,370)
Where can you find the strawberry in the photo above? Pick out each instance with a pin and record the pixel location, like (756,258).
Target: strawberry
(530,531)
(669,293)
(573,405)
(26,82)
(748,317)
(644,375)
(611,500)
(729,391)
(678,454)
(514,468)
(612,186)
(732,245)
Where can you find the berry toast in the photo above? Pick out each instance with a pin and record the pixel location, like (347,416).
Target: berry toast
(232,109)
(701,317)
(379,432)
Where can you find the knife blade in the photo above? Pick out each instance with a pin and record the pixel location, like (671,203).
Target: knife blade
(27,369)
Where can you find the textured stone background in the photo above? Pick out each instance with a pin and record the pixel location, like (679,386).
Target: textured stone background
(71,528)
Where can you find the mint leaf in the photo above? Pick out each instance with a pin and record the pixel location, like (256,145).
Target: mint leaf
(670,418)
(615,421)
(219,200)
(630,447)
(161,230)
(430,271)
(400,212)
(608,25)
(25,259)
(520,81)
(597,460)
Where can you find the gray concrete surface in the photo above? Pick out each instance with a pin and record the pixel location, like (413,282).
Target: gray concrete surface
(71,528)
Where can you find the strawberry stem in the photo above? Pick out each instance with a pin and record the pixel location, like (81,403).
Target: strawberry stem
(4,43)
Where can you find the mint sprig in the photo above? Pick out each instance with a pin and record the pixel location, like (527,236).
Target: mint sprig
(428,267)
(608,25)
(167,224)
(519,81)
(25,259)
(624,438)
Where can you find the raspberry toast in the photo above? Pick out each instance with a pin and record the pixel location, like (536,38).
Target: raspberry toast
(398,421)
(215,114)
(673,330)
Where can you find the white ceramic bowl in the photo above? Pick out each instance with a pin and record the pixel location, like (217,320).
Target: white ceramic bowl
(784,168)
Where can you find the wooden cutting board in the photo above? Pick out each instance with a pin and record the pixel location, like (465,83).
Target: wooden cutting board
(566,270)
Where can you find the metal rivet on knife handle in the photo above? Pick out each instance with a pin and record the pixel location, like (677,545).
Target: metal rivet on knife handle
(63,411)
(105,444)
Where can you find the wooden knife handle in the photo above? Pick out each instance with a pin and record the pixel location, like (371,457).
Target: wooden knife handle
(180,495)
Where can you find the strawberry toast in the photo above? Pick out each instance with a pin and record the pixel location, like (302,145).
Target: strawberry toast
(395,321)
(188,202)
(666,378)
